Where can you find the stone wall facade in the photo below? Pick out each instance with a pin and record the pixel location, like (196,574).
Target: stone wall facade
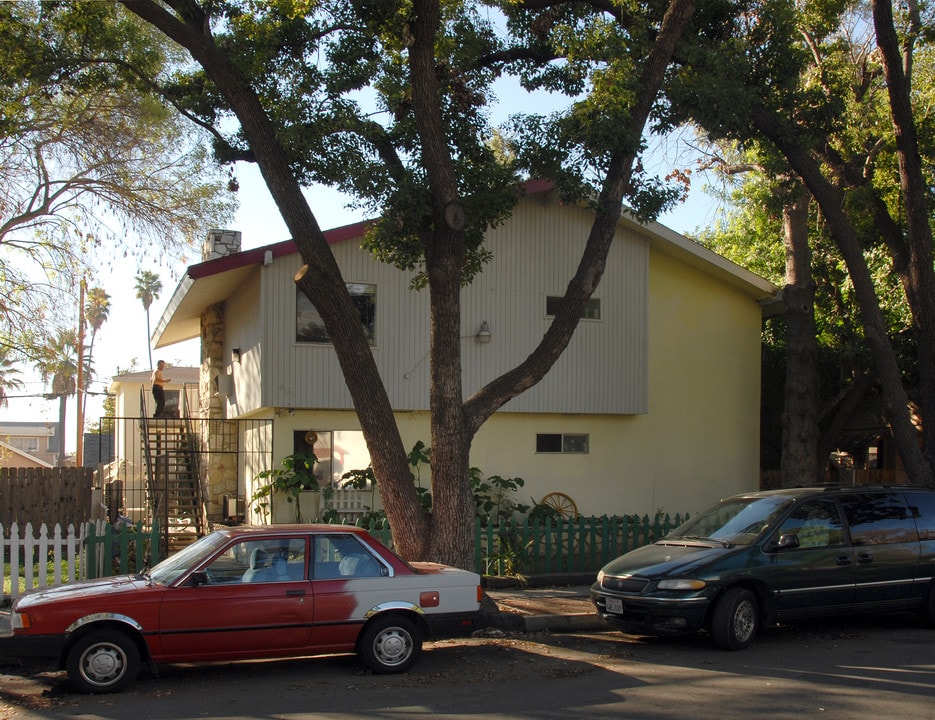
(220,243)
(219,435)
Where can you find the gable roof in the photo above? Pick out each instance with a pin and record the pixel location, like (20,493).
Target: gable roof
(32,460)
(213,281)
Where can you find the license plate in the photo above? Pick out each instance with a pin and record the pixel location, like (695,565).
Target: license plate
(615,605)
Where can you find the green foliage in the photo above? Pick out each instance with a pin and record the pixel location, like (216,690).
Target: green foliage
(296,475)
(512,557)
(89,158)
(421,455)
(493,496)
(541,512)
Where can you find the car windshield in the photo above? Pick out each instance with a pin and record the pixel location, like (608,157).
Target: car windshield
(737,521)
(170,569)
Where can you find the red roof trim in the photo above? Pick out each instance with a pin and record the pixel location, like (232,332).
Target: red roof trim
(255,256)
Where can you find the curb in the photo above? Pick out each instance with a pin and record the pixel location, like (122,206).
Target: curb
(500,582)
(564,623)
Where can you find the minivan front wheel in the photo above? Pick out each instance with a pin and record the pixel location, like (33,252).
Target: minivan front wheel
(735,619)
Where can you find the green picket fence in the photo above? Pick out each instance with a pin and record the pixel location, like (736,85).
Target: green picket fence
(117,552)
(514,547)
(536,547)
(585,544)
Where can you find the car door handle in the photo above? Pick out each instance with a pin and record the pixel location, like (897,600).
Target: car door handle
(844,560)
(864,558)
(295,593)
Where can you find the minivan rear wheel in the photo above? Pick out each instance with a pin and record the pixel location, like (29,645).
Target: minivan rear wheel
(735,619)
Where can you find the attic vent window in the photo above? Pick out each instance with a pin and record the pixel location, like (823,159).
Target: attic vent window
(592,311)
(310,328)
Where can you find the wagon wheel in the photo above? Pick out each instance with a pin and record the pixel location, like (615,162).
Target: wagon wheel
(562,504)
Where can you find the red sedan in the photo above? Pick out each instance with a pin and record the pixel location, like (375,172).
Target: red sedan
(247,593)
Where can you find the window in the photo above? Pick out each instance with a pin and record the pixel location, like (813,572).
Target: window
(343,556)
(26,444)
(877,519)
(310,328)
(253,561)
(592,311)
(336,452)
(923,509)
(559,443)
(816,523)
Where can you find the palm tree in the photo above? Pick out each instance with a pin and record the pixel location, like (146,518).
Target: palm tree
(57,362)
(148,287)
(8,373)
(96,312)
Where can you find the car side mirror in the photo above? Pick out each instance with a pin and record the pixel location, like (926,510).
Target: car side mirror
(785,542)
(199,577)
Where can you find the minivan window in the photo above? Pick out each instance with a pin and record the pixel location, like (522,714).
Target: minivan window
(816,523)
(738,521)
(922,506)
(879,518)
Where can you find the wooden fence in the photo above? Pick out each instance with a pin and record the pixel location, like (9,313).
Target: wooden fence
(30,559)
(45,495)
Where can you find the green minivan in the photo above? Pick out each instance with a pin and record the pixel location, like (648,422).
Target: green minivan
(777,556)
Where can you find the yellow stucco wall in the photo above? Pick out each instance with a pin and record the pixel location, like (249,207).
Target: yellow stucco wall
(698,442)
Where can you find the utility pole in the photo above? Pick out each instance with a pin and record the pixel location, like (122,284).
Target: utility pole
(79,449)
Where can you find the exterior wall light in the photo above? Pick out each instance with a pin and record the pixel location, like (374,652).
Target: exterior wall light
(235,355)
(483,335)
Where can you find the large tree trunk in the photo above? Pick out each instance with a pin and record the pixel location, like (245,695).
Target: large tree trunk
(895,399)
(452,524)
(320,280)
(800,415)
(919,279)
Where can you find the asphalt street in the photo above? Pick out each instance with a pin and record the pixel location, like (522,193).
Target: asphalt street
(841,669)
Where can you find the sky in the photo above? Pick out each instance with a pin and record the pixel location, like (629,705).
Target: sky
(121,344)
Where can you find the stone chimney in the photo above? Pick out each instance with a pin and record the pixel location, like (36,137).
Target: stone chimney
(220,243)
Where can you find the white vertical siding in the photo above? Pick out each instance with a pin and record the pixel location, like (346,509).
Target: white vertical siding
(535,253)
(244,329)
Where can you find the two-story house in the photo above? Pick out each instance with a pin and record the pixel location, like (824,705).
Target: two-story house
(29,444)
(654,405)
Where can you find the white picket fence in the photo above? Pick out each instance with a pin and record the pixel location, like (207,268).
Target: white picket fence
(30,559)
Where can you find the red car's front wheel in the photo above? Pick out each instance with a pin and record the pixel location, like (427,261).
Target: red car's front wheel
(103,661)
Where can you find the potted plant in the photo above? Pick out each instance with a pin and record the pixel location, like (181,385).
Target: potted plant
(293,482)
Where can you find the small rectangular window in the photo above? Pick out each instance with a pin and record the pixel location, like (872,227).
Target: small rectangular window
(26,444)
(310,328)
(559,443)
(592,311)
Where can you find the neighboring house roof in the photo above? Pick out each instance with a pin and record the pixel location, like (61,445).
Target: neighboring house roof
(177,376)
(213,281)
(39,428)
(31,460)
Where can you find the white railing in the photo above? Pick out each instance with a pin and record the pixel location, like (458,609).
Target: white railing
(349,502)
(31,560)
